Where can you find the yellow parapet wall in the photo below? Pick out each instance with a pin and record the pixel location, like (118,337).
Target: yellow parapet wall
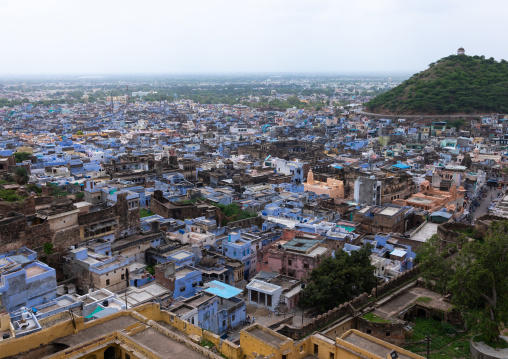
(149,320)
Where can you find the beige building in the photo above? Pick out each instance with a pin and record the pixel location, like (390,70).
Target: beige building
(332,187)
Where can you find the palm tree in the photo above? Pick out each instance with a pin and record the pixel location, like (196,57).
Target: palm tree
(21,176)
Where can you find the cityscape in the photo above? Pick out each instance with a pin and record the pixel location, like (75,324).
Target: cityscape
(311,212)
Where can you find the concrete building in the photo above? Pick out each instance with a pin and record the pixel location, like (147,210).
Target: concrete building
(294,258)
(368,190)
(234,247)
(24,281)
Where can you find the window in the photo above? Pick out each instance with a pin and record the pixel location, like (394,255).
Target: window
(127,356)
(123,276)
(107,281)
(306,265)
(182,289)
(387,334)
(316,349)
(369,331)
(290,262)
(233,317)
(332,356)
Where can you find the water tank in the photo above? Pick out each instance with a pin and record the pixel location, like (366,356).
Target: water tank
(105,303)
(25,315)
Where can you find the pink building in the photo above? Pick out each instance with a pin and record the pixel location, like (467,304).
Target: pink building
(295,258)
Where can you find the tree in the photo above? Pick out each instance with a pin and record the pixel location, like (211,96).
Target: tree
(340,279)
(48,248)
(21,156)
(79,133)
(476,277)
(21,176)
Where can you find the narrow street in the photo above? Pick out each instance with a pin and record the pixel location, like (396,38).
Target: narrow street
(485,202)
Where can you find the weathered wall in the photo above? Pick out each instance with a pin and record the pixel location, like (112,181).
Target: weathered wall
(391,332)
(26,207)
(16,233)
(345,308)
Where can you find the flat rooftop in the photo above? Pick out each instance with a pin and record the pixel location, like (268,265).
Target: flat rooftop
(299,244)
(34,270)
(389,211)
(265,336)
(198,300)
(318,251)
(262,286)
(181,255)
(371,346)
(164,346)
(419,200)
(97,331)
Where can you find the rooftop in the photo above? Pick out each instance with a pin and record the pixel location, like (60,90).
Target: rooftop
(266,336)
(370,345)
(222,290)
(300,244)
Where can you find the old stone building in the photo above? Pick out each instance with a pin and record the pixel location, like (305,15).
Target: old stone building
(375,219)
(178,210)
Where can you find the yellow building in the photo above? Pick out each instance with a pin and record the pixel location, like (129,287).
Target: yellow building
(149,332)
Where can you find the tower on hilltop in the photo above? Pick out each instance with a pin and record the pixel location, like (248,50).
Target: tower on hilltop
(461,51)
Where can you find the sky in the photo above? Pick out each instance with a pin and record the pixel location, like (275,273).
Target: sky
(248,36)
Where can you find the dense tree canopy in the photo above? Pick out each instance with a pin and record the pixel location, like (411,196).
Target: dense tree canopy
(454,84)
(21,156)
(338,280)
(21,176)
(477,278)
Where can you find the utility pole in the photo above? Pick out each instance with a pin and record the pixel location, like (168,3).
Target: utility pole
(428,346)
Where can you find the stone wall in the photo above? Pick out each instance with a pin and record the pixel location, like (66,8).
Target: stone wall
(245,223)
(16,233)
(26,207)
(391,332)
(447,232)
(347,308)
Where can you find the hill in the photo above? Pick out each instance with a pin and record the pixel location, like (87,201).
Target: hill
(457,84)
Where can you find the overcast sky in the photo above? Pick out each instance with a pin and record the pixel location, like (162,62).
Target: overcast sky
(168,36)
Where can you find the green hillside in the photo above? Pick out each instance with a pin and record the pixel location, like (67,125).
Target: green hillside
(457,84)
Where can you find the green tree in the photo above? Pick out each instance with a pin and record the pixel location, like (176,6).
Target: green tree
(476,277)
(21,176)
(21,156)
(48,248)
(338,280)
(79,133)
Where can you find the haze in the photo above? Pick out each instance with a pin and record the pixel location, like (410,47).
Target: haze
(107,37)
